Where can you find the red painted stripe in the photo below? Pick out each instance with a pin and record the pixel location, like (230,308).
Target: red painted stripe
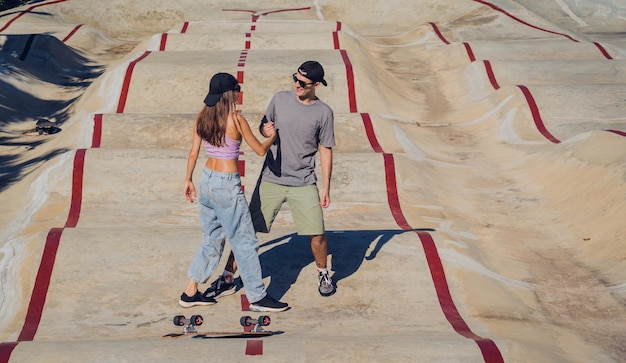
(621,133)
(369,131)
(163,42)
(488,348)
(72,33)
(491,75)
(6,348)
(284,10)
(536,116)
(96,139)
(242,167)
(248,44)
(603,50)
(240,77)
(185,27)
(126,85)
(436,30)
(30,9)
(40,289)
(245,304)
(496,8)
(77,189)
(336,36)
(350,77)
(254,347)
(470,52)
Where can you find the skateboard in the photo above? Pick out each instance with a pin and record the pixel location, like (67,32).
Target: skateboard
(44,126)
(189,328)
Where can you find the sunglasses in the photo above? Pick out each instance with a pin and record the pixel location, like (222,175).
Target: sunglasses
(302,84)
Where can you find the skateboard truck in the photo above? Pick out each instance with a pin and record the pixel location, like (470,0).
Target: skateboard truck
(188,324)
(259,323)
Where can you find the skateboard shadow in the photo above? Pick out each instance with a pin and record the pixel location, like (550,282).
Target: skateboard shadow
(291,253)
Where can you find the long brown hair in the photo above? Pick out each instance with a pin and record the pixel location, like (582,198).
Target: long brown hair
(211,121)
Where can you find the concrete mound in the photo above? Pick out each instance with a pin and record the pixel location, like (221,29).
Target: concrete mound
(477,191)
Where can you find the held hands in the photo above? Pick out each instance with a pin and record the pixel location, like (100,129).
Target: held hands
(190,191)
(268,129)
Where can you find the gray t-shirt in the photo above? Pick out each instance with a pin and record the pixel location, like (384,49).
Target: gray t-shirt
(301,129)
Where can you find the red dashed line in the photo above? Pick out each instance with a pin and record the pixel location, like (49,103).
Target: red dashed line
(77,189)
(489,350)
(28,11)
(6,348)
(285,10)
(336,36)
(621,133)
(602,50)
(254,347)
(96,139)
(369,131)
(44,274)
(496,8)
(536,116)
(185,27)
(350,77)
(72,33)
(436,30)
(42,283)
(126,85)
(163,42)
(470,52)
(491,75)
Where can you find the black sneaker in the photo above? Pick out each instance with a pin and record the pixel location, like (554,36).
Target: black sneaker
(268,303)
(220,288)
(197,300)
(325,285)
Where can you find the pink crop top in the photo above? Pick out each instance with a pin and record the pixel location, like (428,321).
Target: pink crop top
(229,151)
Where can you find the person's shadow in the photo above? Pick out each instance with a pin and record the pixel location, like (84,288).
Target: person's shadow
(291,253)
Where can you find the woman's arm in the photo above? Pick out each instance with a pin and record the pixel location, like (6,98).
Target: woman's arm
(190,190)
(244,128)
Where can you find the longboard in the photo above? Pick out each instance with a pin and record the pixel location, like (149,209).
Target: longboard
(245,321)
(228,334)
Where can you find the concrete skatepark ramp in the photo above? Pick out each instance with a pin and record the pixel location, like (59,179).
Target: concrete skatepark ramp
(477,193)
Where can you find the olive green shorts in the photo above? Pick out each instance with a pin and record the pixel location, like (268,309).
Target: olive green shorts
(304,203)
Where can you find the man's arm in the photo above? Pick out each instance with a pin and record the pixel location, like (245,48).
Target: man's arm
(326,159)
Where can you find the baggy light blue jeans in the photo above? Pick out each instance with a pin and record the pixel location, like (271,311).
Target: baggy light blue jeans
(224,214)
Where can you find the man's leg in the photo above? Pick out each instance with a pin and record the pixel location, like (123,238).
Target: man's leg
(319,247)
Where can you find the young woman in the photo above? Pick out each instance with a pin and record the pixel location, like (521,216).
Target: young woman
(224,212)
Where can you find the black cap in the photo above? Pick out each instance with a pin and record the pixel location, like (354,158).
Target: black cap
(220,83)
(313,71)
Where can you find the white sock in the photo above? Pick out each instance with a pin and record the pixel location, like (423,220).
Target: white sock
(322,270)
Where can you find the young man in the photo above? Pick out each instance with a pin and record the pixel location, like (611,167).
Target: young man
(305,125)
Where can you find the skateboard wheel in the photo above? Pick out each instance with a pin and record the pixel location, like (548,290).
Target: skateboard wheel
(264,320)
(196,320)
(245,321)
(179,320)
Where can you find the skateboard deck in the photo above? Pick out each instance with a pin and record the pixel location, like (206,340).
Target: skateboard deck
(245,321)
(229,334)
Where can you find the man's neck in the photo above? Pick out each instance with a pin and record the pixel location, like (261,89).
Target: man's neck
(307,100)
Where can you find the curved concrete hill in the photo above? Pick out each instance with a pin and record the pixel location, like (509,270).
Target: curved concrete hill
(478,190)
